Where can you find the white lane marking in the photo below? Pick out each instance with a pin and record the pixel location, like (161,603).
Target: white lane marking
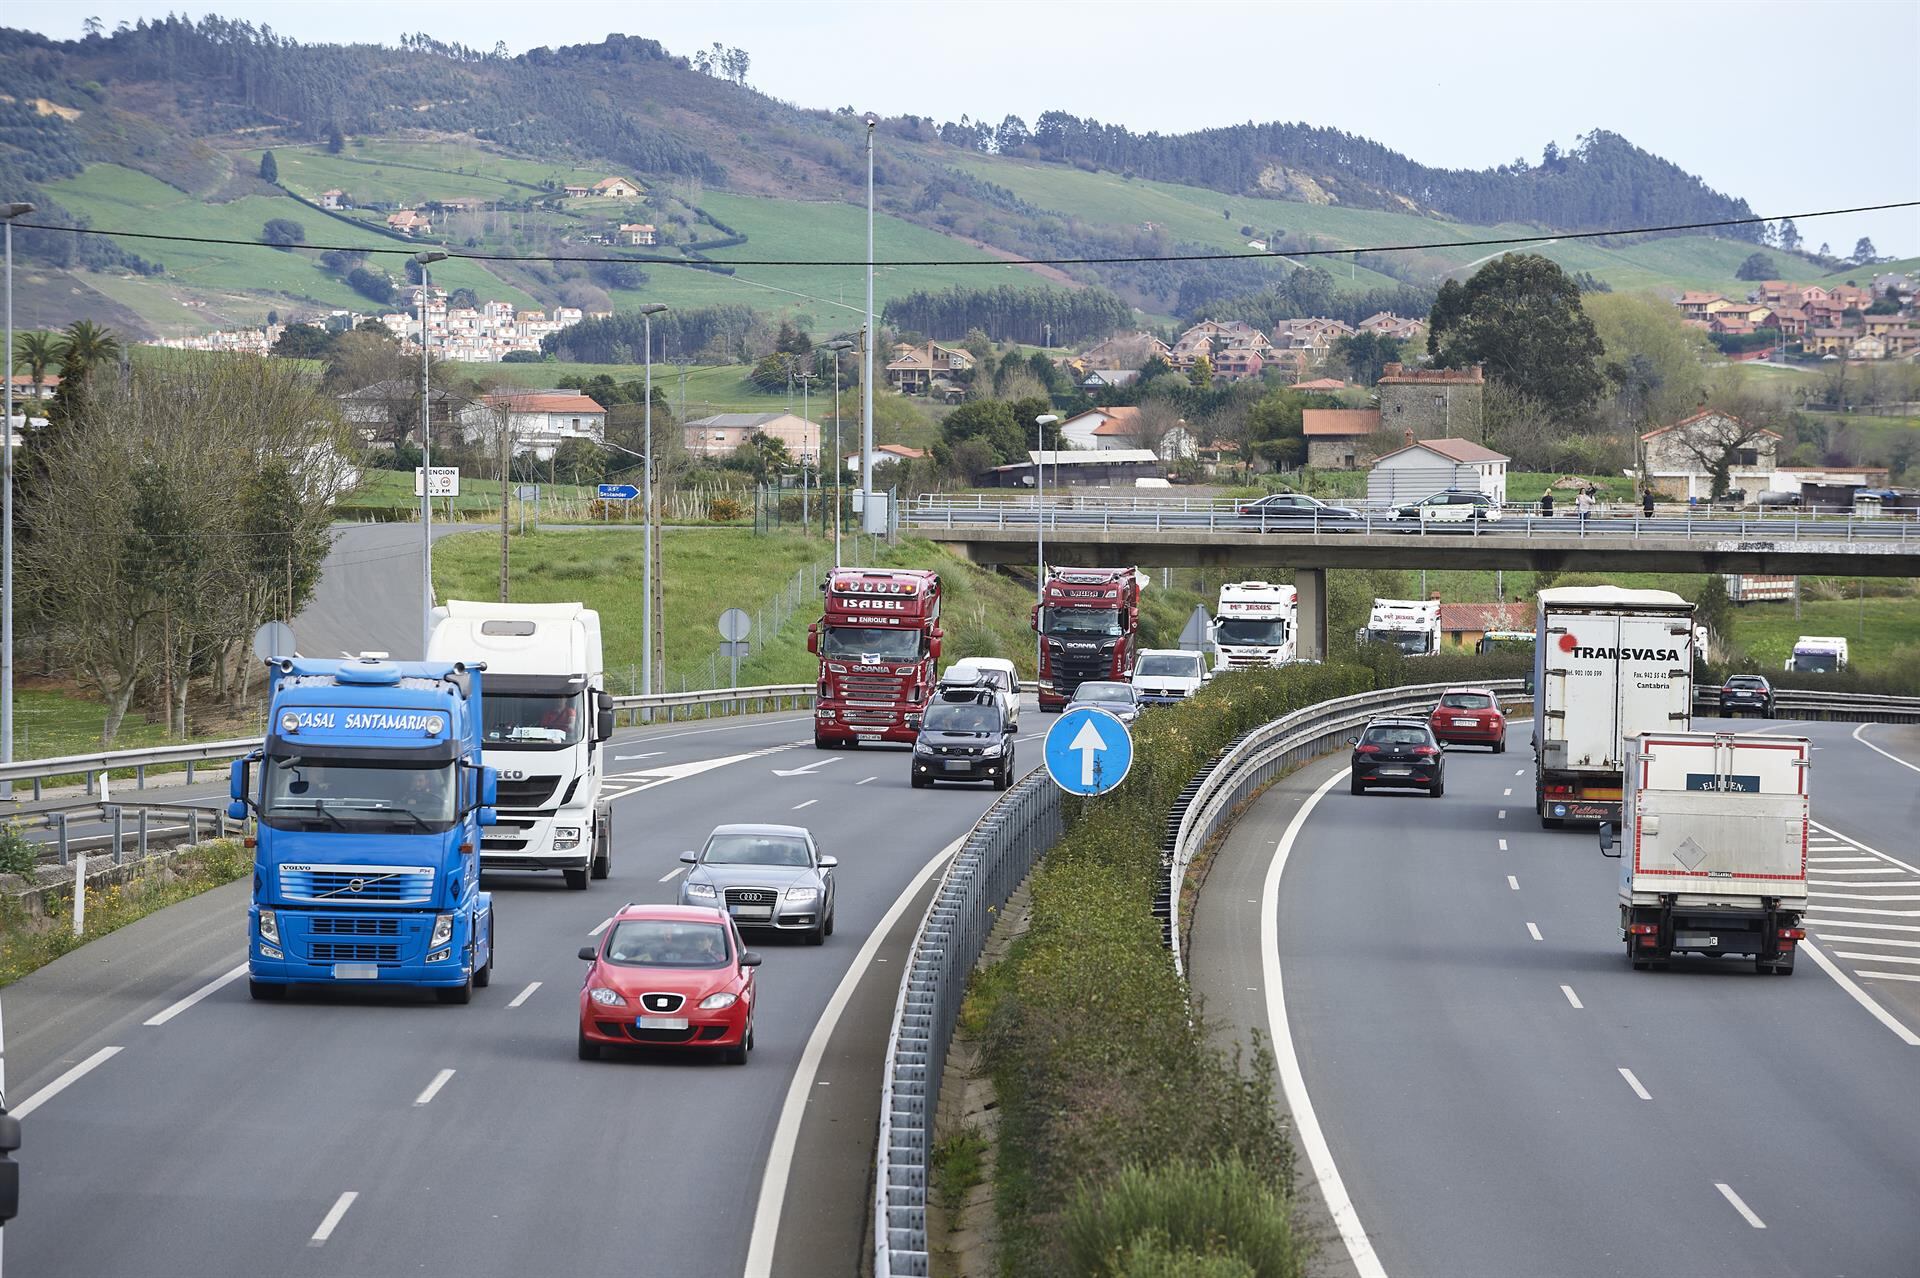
(1507,793)
(626,758)
(1503,845)
(1887,976)
(754,721)
(1870,940)
(1521,772)
(334,1214)
(1854,909)
(1634,1083)
(161,1018)
(808,769)
(1873,958)
(1571,996)
(1827,866)
(1823,924)
(603,927)
(1846,983)
(1533,930)
(864,780)
(1726,1191)
(809,803)
(1841,860)
(673,874)
(1306,1123)
(524,995)
(1877,750)
(662,774)
(1503,814)
(433,1089)
(65,1081)
(774,1179)
(1858,846)
(1870,896)
(1513,883)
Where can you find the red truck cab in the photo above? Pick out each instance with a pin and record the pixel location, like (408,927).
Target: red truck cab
(878,642)
(1089,625)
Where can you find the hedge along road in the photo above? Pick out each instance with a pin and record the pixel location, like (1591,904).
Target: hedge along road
(325,1135)
(1499,1092)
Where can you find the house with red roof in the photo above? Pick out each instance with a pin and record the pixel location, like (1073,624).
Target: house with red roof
(1337,437)
(1464,625)
(537,422)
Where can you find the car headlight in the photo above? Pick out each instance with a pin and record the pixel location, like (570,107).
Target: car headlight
(702,890)
(269,927)
(802,893)
(992,751)
(565,836)
(714,1002)
(606,997)
(442,931)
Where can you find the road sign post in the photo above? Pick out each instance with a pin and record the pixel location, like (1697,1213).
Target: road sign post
(1088,751)
(617,492)
(735,626)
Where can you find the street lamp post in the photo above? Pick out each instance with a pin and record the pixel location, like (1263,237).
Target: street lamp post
(1040,424)
(425,258)
(8,212)
(867,340)
(838,348)
(806,418)
(647,313)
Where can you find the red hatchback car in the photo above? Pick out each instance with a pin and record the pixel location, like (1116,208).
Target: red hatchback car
(1469,716)
(669,976)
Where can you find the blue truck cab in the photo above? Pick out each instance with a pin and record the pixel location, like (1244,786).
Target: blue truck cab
(368,807)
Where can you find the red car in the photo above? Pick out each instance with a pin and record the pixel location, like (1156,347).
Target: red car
(1469,716)
(669,976)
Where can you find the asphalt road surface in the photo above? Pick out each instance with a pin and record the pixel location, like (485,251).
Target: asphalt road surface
(1483,1085)
(325,1135)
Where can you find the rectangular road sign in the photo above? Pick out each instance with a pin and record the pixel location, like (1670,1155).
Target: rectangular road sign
(446,482)
(617,492)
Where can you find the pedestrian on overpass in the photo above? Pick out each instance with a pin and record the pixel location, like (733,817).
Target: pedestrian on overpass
(1584,502)
(1646,503)
(1546,504)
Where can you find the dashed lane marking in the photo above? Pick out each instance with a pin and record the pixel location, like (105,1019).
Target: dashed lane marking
(1634,1083)
(1726,1191)
(524,995)
(332,1220)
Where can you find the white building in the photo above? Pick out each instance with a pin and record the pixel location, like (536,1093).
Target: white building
(539,421)
(1427,466)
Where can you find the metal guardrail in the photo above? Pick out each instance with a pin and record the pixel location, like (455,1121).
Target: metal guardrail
(91,766)
(186,823)
(998,854)
(1832,707)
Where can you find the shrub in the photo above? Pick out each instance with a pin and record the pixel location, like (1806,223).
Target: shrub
(17,853)
(1216,1220)
(727,510)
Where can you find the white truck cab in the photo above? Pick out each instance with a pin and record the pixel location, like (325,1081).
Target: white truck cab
(1163,676)
(545,712)
(1411,625)
(997,671)
(1256,625)
(1817,654)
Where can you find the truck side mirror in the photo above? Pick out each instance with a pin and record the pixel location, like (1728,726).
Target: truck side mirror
(487,786)
(813,638)
(1608,845)
(238,782)
(603,716)
(1036,617)
(933,645)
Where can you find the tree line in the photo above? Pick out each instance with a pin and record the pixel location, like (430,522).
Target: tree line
(1031,316)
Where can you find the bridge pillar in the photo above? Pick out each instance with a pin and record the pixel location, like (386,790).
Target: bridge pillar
(1311,583)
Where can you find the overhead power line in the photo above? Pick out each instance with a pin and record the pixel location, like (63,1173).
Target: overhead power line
(708,264)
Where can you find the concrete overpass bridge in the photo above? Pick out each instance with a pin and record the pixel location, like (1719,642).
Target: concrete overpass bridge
(1125,532)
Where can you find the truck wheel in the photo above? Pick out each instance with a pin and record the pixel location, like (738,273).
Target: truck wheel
(603,843)
(460,994)
(265,991)
(484,976)
(576,879)
(588,1049)
(821,743)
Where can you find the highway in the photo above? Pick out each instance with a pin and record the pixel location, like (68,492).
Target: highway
(172,1126)
(1481,1083)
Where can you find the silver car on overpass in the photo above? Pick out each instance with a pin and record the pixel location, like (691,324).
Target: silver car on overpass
(765,876)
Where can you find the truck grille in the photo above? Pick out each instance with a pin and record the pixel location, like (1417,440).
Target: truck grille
(751,896)
(527,792)
(323,925)
(353,952)
(869,689)
(358,884)
(1076,669)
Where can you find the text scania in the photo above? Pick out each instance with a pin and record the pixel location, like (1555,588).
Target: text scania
(1626,654)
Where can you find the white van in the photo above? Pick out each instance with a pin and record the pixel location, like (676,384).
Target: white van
(1162,676)
(994,670)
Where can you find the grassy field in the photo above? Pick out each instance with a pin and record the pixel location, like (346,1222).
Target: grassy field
(393,172)
(49,723)
(709,388)
(1876,628)
(392,489)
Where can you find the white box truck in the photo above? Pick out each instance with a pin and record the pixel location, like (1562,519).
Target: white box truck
(1255,627)
(546,712)
(1411,625)
(1713,848)
(1608,665)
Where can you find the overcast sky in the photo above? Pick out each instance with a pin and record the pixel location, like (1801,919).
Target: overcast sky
(1795,105)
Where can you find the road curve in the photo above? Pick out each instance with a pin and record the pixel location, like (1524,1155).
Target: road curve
(1501,1094)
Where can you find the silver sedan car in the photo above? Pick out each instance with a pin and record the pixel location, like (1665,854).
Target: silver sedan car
(1116,698)
(764,876)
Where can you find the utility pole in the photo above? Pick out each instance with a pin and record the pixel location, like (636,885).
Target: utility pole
(866,376)
(838,348)
(647,313)
(8,212)
(425,259)
(806,418)
(506,479)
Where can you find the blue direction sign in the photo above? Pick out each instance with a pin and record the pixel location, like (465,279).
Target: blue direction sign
(618,492)
(1088,751)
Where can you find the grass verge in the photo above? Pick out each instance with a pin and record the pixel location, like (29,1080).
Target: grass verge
(30,939)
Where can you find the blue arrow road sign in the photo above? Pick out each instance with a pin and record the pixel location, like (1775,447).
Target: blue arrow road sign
(618,492)
(1088,751)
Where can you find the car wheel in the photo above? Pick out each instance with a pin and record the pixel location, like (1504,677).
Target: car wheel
(920,782)
(817,935)
(829,922)
(1438,788)
(576,880)
(736,1055)
(484,977)
(588,1049)
(265,991)
(1357,787)
(459,995)
(1005,778)
(1500,745)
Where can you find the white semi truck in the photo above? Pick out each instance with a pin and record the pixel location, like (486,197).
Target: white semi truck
(1818,654)
(1256,625)
(1608,665)
(1411,625)
(1713,848)
(546,712)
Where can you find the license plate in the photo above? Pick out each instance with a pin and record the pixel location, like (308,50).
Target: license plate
(1466,723)
(356,972)
(1396,772)
(1695,940)
(751,911)
(958,765)
(661,1022)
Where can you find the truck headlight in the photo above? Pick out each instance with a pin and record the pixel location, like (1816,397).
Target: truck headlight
(606,997)
(802,893)
(714,1002)
(565,837)
(702,890)
(269,927)
(442,931)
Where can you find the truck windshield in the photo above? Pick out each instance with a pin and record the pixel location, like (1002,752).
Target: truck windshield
(946,716)
(1083,621)
(1412,642)
(1169,667)
(357,794)
(884,643)
(1815,662)
(1247,630)
(532,721)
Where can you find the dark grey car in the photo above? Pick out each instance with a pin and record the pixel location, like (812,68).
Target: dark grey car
(765,876)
